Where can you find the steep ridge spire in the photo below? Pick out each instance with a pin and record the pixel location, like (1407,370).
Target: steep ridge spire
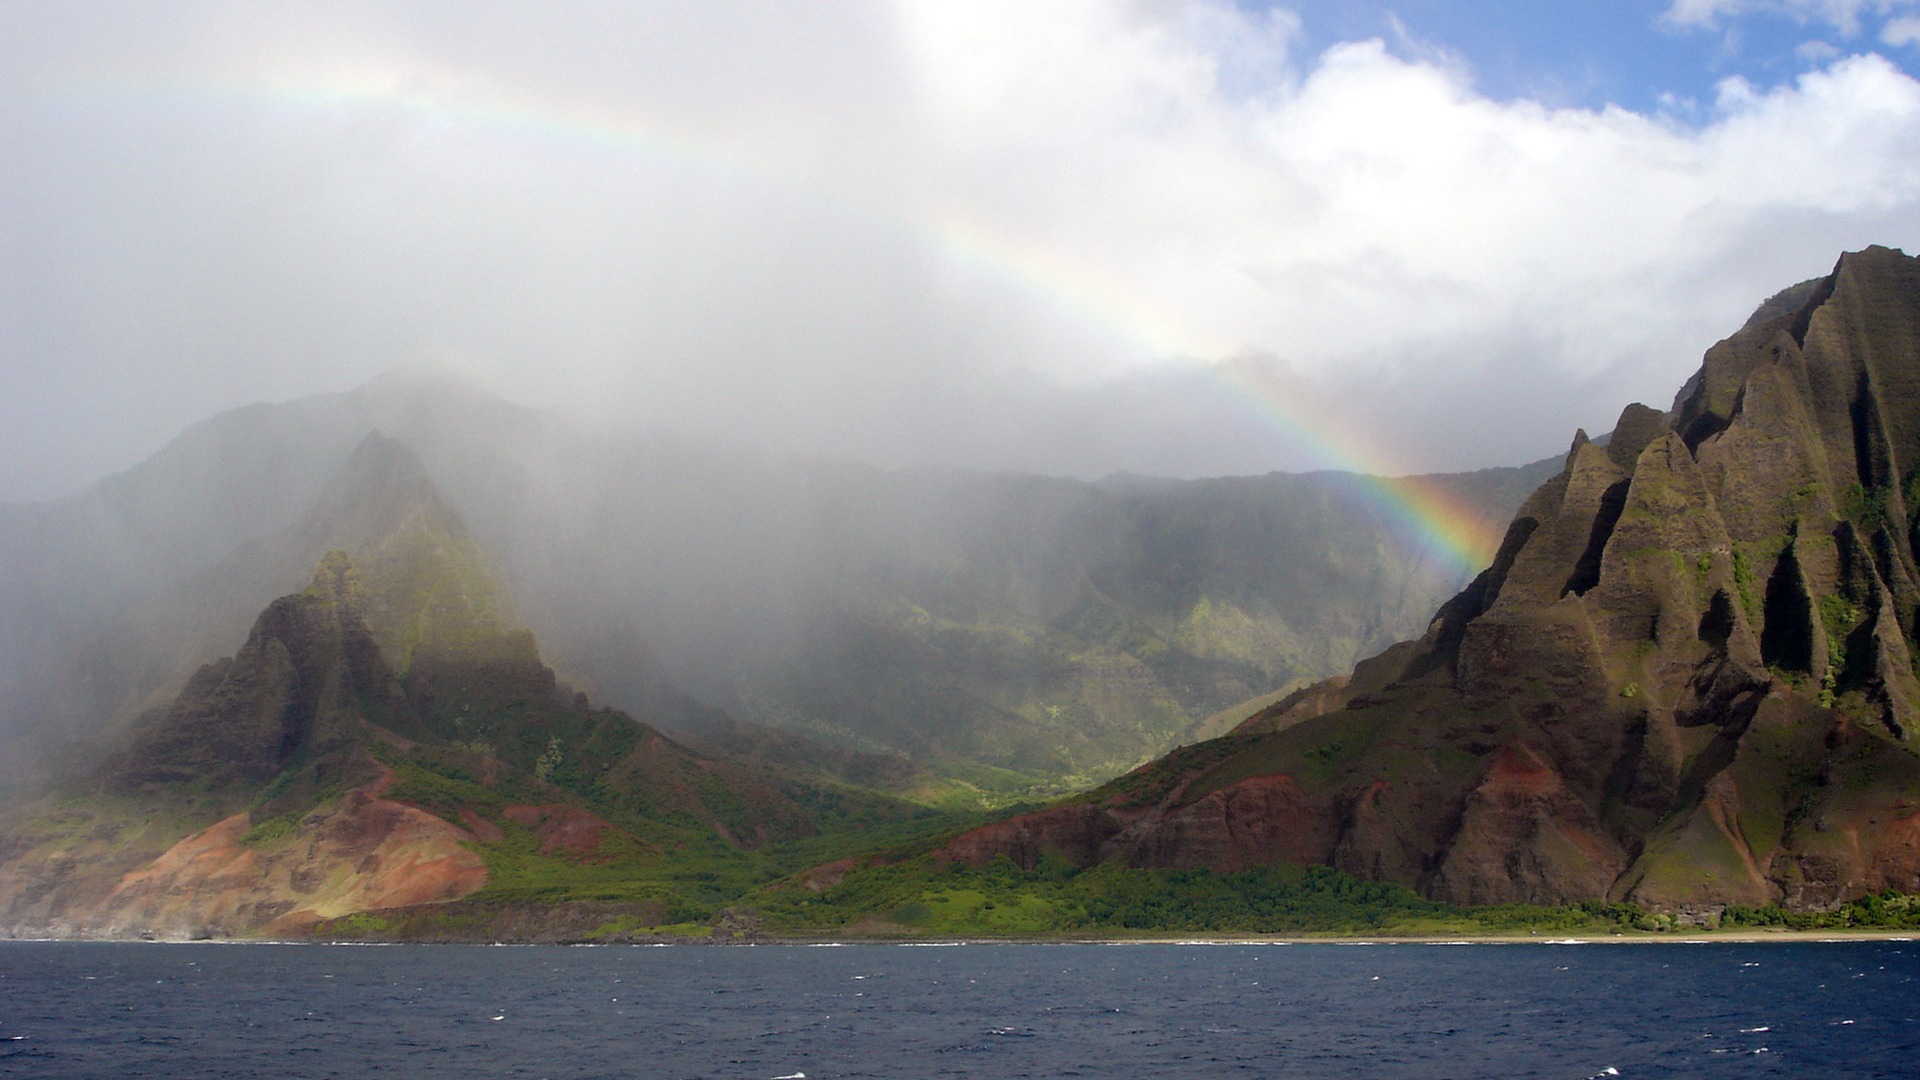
(309,673)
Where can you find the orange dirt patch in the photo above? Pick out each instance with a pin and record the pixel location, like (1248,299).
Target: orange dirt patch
(362,853)
(1518,771)
(481,827)
(562,829)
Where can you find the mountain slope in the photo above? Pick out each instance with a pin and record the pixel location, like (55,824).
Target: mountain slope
(1687,680)
(385,738)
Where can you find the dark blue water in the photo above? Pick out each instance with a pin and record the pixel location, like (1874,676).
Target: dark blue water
(1559,1011)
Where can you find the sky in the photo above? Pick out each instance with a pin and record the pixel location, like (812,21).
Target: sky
(1184,237)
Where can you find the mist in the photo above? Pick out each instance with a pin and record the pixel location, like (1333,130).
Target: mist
(1035,627)
(985,235)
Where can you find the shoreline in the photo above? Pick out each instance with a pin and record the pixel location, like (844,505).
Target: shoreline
(1707,937)
(1711,937)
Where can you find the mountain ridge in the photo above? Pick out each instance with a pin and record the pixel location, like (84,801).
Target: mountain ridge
(1685,682)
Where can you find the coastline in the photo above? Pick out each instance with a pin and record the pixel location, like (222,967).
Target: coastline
(1745,936)
(1708,937)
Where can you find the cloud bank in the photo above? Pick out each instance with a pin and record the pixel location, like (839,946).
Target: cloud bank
(992,234)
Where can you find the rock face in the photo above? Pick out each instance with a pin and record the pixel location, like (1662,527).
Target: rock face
(308,674)
(1687,679)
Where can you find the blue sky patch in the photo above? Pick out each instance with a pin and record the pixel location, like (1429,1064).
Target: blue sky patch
(1645,56)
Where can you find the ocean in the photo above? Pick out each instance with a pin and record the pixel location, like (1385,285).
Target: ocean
(1567,1011)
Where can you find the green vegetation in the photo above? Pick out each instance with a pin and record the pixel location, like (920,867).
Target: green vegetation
(1865,506)
(1872,507)
(691,874)
(1315,752)
(686,889)
(1745,581)
(1838,616)
(925,897)
(272,832)
(1152,784)
(1889,910)
(667,858)
(361,924)
(631,926)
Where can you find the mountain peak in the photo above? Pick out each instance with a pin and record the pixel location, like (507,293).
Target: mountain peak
(381,478)
(416,574)
(308,673)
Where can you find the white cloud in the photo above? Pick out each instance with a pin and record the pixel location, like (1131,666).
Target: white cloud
(844,228)
(1902,31)
(1842,15)
(1376,202)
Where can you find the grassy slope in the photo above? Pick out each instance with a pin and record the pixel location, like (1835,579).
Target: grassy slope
(924,898)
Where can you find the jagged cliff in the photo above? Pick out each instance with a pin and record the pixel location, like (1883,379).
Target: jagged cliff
(283,731)
(1687,679)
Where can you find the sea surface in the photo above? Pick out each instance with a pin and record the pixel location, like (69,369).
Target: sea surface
(1571,1011)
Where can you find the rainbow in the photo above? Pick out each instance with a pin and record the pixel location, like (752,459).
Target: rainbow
(1446,527)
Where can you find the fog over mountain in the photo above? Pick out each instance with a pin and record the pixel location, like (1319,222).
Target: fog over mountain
(1037,628)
